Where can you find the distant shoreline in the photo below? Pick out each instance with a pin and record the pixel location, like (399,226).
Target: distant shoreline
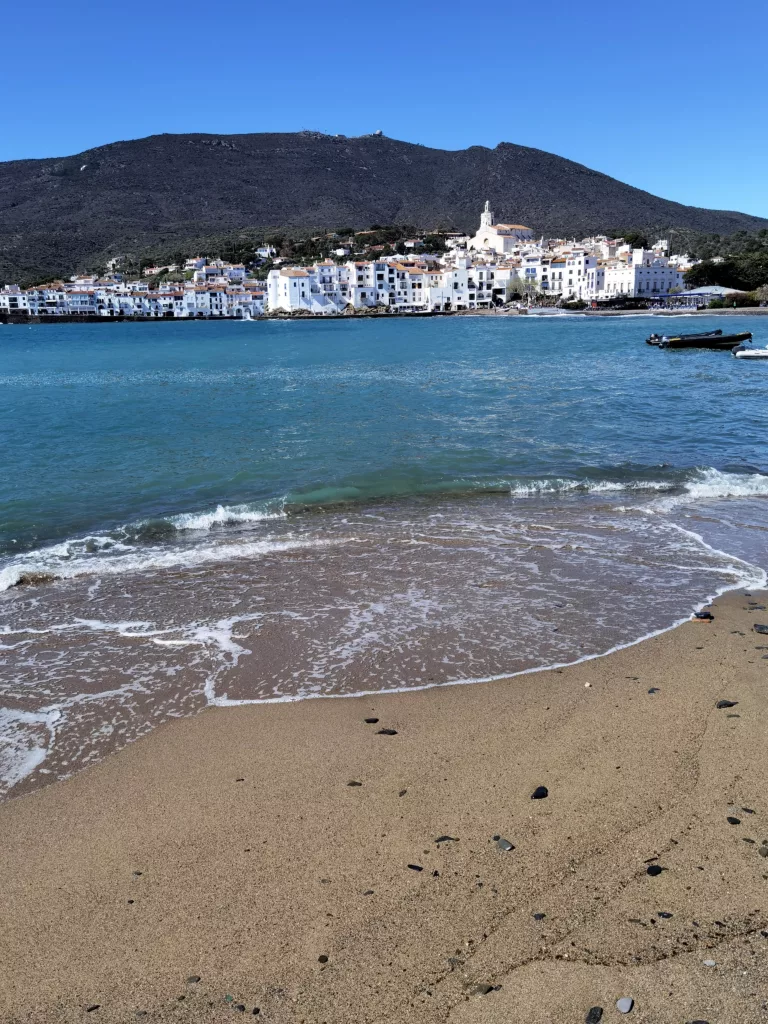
(8,320)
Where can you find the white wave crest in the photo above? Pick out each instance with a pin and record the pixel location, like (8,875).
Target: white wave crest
(711,483)
(224,515)
(565,486)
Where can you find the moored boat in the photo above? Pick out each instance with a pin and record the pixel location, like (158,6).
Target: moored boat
(713,341)
(744,352)
(656,339)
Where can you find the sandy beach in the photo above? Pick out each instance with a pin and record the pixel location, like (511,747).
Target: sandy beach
(295,863)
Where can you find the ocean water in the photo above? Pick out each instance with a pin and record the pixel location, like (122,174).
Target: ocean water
(202,513)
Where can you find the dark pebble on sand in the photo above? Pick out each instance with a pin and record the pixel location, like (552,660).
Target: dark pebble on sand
(482,990)
(371,721)
(748,810)
(665,914)
(763,851)
(594,1015)
(92,1007)
(323,959)
(726,704)
(240,1008)
(758,628)
(704,616)
(653,870)
(353,783)
(256,1011)
(699,1022)
(539,917)
(415,867)
(130,902)
(402,792)
(654,689)
(239,780)
(368,892)
(504,845)
(193,979)
(446,839)
(733,821)
(540,793)
(137,874)
(387,732)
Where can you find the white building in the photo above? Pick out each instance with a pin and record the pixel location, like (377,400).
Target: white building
(640,274)
(500,238)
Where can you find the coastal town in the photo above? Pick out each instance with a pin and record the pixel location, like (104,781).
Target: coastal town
(501,265)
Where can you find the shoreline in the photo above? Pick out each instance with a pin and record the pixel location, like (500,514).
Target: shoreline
(13,321)
(230,847)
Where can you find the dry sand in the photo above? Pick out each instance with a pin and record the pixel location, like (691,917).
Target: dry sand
(230,847)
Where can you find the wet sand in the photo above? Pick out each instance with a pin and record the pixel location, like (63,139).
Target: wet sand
(230,848)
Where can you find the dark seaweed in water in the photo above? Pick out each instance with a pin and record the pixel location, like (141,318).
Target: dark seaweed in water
(154,531)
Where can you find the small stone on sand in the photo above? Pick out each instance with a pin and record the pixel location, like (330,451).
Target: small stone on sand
(540,793)
(733,821)
(625,1005)
(371,721)
(653,870)
(193,979)
(594,1015)
(415,867)
(323,959)
(387,732)
(709,963)
(759,628)
(504,845)
(353,783)
(726,704)
(482,990)
(446,839)
(539,917)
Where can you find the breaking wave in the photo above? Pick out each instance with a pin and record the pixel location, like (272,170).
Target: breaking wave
(240,531)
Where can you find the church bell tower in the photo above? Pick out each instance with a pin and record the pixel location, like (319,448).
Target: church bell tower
(486,217)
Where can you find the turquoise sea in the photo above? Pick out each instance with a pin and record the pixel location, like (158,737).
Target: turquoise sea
(196,513)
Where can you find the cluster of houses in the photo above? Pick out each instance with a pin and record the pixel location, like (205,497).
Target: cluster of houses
(215,289)
(499,264)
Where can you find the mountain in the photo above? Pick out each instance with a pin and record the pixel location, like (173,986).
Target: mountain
(66,214)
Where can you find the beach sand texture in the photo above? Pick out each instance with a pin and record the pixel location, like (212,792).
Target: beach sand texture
(231,848)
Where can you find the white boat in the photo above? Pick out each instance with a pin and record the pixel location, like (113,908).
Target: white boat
(743,352)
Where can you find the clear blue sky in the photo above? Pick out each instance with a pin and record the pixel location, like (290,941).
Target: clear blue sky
(670,97)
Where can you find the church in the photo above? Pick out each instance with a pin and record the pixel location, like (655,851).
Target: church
(501,238)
